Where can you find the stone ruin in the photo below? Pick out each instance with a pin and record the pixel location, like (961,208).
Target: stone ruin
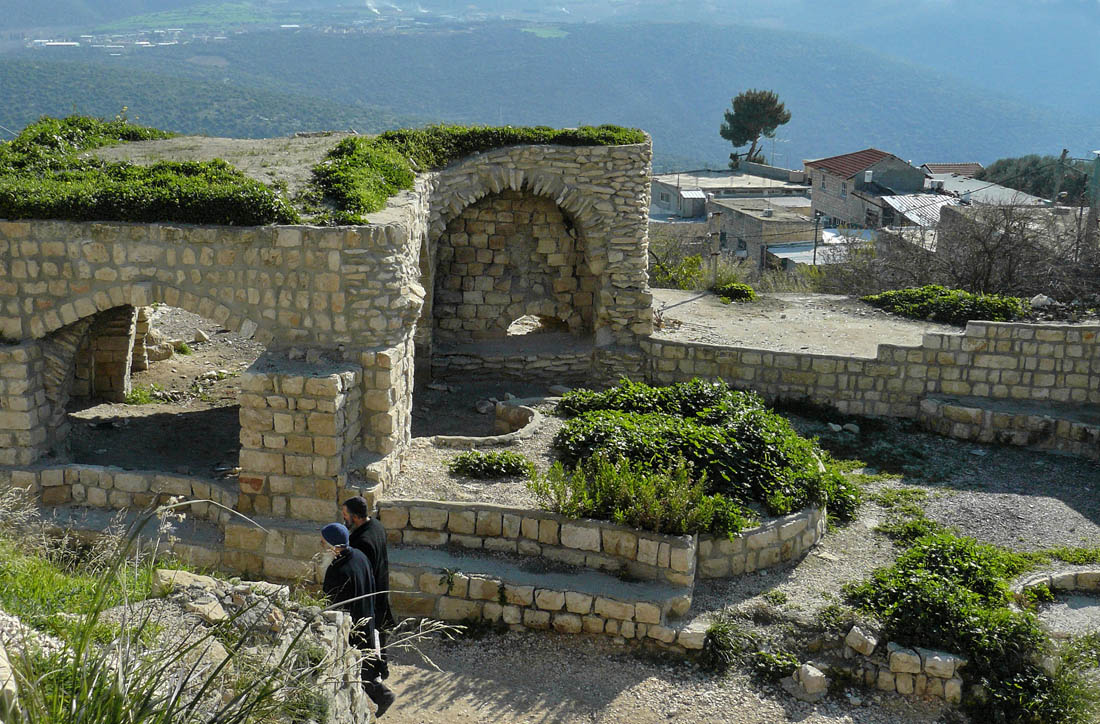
(345,313)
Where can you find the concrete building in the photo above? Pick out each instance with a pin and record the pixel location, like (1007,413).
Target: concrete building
(685,194)
(981,192)
(848,189)
(746,227)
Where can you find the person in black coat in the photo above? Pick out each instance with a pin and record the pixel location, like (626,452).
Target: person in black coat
(369,536)
(349,585)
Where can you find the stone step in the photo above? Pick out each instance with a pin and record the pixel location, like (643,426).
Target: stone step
(87,523)
(452,585)
(1042,424)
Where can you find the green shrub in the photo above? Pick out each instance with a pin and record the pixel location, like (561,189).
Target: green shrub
(685,274)
(360,173)
(774,666)
(733,444)
(726,642)
(490,465)
(951,593)
(182,348)
(950,306)
(633,494)
(735,292)
(42,178)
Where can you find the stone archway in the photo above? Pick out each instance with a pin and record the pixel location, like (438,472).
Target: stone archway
(511,254)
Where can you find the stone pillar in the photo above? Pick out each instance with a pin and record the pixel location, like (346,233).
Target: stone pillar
(24,409)
(139,360)
(300,426)
(112,350)
(387,398)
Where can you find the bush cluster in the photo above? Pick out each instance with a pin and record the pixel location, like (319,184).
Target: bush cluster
(735,292)
(491,465)
(41,177)
(634,494)
(734,445)
(951,593)
(950,306)
(360,173)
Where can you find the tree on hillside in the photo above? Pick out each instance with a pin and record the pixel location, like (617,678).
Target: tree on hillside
(1038,176)
(755,113)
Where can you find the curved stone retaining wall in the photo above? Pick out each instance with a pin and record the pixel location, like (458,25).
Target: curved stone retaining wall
(910,671)
(594,544)
(777,541)
(1076,580)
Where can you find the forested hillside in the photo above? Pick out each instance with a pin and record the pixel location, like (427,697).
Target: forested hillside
(672,80)
(34,88)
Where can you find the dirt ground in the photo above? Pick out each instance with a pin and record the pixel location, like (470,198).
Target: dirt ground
(822,323)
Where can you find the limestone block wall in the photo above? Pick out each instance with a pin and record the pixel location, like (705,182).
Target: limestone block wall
(111,350)
(776,541)
(592,544)
(300,424)
(908,671)
(602,190)
(999,361)
(387,397)
(24,408)
(508,255)
(140,358)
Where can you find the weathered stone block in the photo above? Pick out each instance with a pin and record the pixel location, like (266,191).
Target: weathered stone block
(581,537)
(549,600)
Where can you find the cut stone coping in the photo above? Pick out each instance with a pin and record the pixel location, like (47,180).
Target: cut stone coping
(503,411)
(518,571)
(1084,414)
(92,522)
(1077,579)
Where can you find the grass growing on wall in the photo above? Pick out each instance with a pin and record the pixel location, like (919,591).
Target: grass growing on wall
(361,173)
(42,177)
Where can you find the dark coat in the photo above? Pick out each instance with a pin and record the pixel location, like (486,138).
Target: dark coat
(370,538)
(349,577)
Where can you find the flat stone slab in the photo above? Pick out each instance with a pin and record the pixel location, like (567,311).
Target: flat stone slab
(1081,413)
(522,571)
(81,519)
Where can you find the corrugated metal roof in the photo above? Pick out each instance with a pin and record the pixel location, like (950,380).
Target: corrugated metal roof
(692,194)
(920,209)
(849,164)
(984,192)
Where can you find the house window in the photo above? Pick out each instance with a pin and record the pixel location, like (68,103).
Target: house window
(664,197)
(844,190)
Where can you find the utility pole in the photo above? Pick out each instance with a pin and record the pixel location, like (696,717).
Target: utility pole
(1060,177)
(817,220)
(1094,203)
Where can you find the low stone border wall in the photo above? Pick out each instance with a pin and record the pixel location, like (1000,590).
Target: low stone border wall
(1083,580)
(967,420)
(911,671)
(776,541)
(550,368)
(455,596)
(113,488)
(592,544)
(514,421)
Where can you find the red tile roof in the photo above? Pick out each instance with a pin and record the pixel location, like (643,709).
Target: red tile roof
(962,169)
(849,164)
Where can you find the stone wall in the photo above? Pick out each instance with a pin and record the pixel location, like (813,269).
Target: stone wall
(603,191)
(592,544)
(910,671)
(999,361)
(508,255)
(24,408)
(300,424)
(777,541)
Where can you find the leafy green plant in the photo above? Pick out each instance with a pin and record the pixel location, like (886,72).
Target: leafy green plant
(492,464)
(735,292)
(360,173)
(42,177)
(773,666)
(634,494)
(182,348)
(687,273)
(143,395)
(1036,595)
(776,597)
(951,306)
(951,593)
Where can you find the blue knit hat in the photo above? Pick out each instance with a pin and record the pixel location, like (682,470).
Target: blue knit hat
(335,534)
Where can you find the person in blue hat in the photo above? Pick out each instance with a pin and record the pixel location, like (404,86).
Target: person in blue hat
(349,585)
